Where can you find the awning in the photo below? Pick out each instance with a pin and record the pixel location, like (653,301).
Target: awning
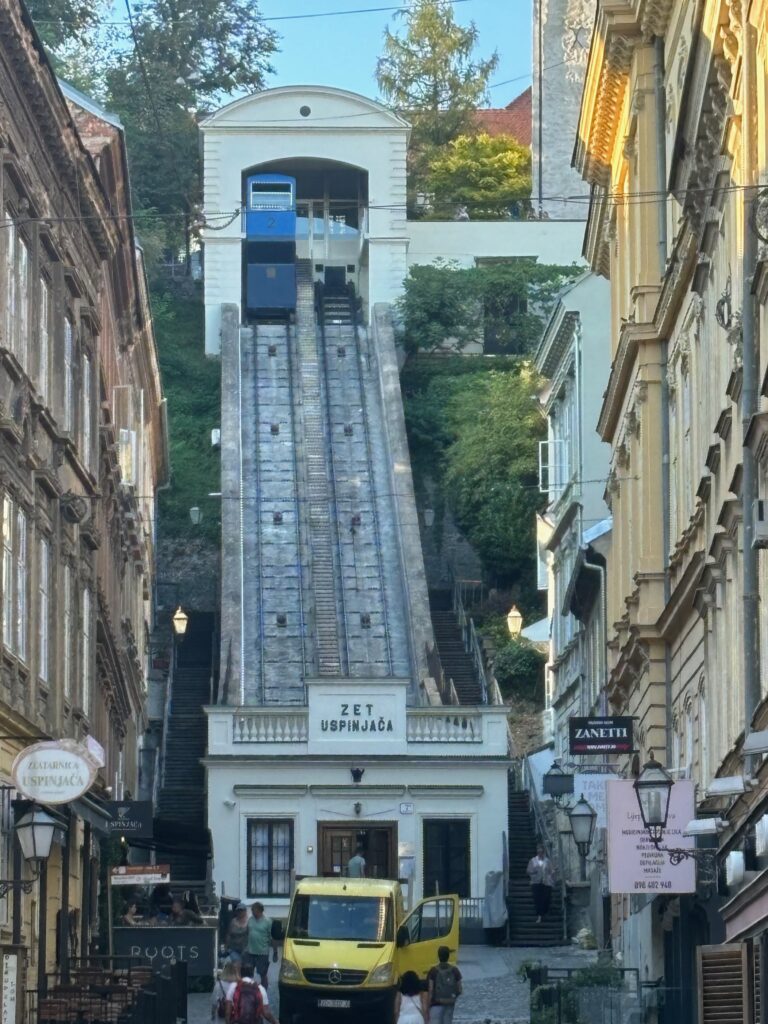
(91,809)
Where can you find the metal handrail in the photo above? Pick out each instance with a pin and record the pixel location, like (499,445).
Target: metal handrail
(469,636)
(545,835)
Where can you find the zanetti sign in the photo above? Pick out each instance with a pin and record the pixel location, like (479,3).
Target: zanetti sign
(600,735)
(54,772)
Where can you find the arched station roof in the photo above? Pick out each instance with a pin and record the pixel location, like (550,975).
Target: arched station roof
(297,106)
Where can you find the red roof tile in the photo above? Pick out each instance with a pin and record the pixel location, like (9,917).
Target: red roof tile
(514,119)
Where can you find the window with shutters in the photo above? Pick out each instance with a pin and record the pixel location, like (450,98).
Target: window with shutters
(446,856)
(44,341)
(22,576)
(86,439)
(22,280)
(66,624)
(270,857)
(8,616)
(87,668)
(69,359)
(10,281)
(43,610)
(721,985)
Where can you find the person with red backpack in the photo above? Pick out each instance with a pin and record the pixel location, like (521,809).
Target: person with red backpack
(444,986)
(247,1001)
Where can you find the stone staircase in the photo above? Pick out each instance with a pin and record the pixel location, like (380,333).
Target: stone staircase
(523,929)
(457,664)
(180,828)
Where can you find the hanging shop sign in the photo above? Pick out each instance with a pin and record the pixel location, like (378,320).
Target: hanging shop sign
(600,735)
(130,818)
(54,772)
(141,874)
(634,863)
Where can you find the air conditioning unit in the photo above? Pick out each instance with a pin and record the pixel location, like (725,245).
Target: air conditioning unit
(216,437)
(760,537)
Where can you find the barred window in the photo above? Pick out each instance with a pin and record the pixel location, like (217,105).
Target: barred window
(43,589)
(270,857)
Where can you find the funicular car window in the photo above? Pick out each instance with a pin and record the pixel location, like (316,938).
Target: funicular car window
(432,920)
(345,918)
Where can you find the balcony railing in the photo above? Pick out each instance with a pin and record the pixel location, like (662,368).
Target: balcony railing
(428,725)
(271,727)
(440,727)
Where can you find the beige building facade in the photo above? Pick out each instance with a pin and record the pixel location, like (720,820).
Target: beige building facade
(670,155)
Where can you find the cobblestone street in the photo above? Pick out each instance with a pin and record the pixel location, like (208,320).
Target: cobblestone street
(493,992)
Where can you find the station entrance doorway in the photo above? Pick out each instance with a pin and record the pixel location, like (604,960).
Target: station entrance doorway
(337,842)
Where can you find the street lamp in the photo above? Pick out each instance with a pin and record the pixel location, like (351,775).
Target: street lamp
(515,621)
(180,621)
(35,831)
(196,515)
(582,817)
(557,783)
(653,787)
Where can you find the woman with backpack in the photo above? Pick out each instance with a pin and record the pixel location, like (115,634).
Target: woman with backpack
(228,975)
(247,1001)
(444,988)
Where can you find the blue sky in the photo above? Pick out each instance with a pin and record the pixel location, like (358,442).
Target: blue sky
(342,51)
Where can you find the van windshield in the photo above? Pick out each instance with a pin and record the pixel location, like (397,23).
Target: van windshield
(345,918)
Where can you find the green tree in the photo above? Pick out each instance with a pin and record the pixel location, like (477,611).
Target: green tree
(61,21)
(430,75)
(503,303)
(490,175)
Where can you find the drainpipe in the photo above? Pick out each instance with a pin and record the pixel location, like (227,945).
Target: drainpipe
(661,176)
(749,387)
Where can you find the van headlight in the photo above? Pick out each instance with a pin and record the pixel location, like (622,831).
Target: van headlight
(381,975)
(289,971)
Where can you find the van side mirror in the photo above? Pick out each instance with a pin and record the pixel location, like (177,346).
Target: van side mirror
(403,937)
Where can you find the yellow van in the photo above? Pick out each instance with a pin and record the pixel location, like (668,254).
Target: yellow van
(349,940)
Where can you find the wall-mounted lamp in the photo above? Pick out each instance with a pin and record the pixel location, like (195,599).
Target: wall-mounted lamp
(196,515)
(310,849)
(358,808)
(429,517)
(357,774)
(180,622)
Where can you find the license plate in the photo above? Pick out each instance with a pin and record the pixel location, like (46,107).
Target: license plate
(333,1004)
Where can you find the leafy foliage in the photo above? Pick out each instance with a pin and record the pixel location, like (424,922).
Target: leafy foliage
(473,423)
(58,21)
(506,301)
(180,58)
(518,667)
(193,391)
(490,175)
(430,75)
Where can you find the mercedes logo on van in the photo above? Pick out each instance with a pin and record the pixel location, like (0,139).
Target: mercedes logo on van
(334,977)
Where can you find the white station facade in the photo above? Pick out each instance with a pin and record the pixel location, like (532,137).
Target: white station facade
(334,726)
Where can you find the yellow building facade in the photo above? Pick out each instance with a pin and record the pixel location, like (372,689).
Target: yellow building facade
(676,219)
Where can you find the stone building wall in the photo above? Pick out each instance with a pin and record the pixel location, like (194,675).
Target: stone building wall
(561,34)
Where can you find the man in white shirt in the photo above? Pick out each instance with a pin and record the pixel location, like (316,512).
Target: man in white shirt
(246,978)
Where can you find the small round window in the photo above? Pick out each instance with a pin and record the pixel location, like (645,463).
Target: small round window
(305,111)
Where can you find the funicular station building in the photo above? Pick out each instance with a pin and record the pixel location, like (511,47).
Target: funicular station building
(335,726)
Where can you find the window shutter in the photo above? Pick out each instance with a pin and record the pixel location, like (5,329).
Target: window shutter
(723,984)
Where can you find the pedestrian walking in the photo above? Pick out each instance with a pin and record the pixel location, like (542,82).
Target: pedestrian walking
(542,878)
(247,1001)
(443,988)
(236,939)
(356,864)
(410,1001)
(260,942)
(228,977)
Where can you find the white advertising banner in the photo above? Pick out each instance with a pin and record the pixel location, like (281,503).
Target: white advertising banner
(592,788)
(634,863)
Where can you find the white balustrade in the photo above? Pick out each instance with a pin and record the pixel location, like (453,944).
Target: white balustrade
(270,727)
(444,727)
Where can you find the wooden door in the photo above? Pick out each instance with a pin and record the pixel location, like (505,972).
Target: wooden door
(338,842)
